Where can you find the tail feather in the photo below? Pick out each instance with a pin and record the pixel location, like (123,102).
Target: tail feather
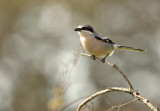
(121,47)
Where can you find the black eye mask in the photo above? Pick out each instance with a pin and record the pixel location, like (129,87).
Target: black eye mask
(87,29)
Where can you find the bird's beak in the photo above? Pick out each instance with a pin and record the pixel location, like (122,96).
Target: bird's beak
(77,29)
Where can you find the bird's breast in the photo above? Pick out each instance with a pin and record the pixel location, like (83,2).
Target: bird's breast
(96,47)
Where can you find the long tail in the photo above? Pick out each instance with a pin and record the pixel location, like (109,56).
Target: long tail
(121,47)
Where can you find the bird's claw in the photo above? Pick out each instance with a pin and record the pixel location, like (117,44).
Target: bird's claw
(103,60)
(93,57)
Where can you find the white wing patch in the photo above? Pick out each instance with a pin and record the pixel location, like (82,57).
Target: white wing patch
(111,53)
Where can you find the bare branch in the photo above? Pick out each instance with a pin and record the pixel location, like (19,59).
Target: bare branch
(120,89)
(145,101)
(129,90)
(115,67)
(101,93)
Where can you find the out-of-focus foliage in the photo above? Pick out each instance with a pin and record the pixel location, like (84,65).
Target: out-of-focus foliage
(40,52)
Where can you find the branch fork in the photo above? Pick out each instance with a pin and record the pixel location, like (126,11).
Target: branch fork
(129,90)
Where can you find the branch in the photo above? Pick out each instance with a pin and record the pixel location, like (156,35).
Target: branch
(115,67)
(100,93)
(120,89)
(129,90)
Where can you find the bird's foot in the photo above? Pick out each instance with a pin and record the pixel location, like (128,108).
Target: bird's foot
(103,60)
(93,57)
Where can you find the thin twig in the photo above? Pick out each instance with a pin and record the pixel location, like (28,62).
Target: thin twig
(75,101)
(115,67)
(121,105)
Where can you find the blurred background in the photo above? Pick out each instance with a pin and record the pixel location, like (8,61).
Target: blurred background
(41,67)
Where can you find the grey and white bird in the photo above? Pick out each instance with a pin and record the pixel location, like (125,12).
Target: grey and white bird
(97,44)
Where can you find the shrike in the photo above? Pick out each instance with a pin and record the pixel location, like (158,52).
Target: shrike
(97,44)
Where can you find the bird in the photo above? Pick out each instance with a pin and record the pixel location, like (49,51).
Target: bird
(99,45)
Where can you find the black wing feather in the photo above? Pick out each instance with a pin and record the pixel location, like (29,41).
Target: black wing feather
(105,40)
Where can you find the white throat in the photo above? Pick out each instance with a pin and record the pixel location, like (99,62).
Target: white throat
(86,34)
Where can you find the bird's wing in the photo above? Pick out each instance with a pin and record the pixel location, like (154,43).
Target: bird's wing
(103,38)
